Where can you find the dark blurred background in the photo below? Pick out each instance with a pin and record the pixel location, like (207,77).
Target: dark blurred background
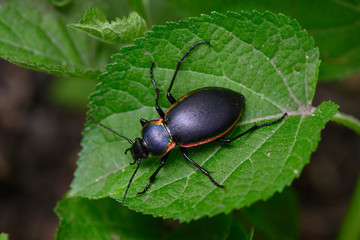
(39,143)
(40,139)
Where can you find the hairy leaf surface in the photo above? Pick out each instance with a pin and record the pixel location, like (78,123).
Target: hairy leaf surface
(266,57)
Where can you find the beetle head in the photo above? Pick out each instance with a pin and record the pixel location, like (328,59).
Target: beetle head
(138,150)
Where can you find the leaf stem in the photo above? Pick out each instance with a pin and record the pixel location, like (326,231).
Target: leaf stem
(350,227)
(348,121)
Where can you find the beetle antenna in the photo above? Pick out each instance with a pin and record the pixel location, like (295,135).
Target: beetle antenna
(113,131)
(139,161)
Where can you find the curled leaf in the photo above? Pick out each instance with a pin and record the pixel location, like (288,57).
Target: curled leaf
(120,31)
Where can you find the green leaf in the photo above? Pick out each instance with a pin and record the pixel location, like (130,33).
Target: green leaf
(216,228)
(266,57)
(334,25)
(277,218)
(4,236)
(81,218)
(95,53)
(104,219)
(120,31)
(33,36)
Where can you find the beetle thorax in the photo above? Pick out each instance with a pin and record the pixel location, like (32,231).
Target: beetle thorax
(157,137)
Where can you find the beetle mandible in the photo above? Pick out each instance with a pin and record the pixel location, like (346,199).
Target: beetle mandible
(201,116)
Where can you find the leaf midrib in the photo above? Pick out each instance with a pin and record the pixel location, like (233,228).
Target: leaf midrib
(262,96)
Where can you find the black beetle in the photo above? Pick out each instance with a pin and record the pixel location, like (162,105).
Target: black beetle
(199,117)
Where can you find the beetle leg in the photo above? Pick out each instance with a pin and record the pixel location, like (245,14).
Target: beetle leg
(171,99)
(158,109)
(253,128)
(152,177)
(184,153)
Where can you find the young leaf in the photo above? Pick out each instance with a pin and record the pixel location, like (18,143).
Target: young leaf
(266,57)
(120,31)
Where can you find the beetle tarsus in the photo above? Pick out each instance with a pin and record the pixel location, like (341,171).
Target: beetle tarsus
(184,153)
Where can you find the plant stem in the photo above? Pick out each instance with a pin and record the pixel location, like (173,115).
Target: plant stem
(347,120)
(350,228)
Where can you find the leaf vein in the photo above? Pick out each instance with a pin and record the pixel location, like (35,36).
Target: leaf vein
(272,64)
